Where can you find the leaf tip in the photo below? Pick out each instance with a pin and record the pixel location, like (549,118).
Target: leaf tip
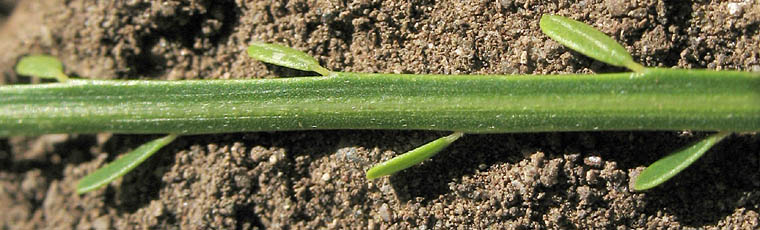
(43,66)
(587,40)
(669,166)
(285,56)
(372,173)
(122,165)
(412,157)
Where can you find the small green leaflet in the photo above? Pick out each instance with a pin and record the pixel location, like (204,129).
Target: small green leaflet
(123,165)
(43,66)
(667,167)
(285,56)
(413,157)
(588,41)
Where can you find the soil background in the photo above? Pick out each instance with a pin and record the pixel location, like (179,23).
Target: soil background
(315,179)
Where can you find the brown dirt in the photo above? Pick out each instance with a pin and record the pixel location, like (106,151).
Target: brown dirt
(307,180)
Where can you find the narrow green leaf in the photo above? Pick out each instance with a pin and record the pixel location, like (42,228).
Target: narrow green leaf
(43,66)
(123,165)
(588,41)
(413,157)
(285,56)
(667,167)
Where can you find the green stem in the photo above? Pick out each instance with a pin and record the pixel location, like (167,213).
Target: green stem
(656,99)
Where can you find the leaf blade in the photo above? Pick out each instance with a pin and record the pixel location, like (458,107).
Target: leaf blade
(285,56)
(43,66)
(412,157)
(588,41)
(667,167)
(122,165)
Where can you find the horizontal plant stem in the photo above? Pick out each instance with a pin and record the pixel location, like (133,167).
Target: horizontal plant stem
(657,99)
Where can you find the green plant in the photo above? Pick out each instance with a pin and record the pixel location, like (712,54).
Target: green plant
(646,99)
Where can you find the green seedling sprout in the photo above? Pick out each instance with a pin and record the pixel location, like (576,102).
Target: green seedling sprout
(588,41)
(285,56)
(646,99)
(413,157)
(122,165)
(42,66)
(667,167)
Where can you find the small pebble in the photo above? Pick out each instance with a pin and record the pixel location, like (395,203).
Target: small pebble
(103,222)
(384,212)
(735,9)
(326,177)
(593,161)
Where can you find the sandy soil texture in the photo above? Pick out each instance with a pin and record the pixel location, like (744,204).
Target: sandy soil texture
(309,180)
